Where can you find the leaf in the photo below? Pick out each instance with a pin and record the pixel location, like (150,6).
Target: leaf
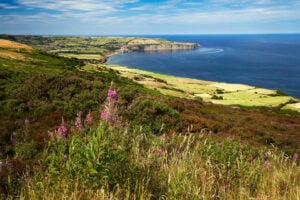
(93,171)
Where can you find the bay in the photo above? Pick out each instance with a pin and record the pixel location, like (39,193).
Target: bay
(268,61)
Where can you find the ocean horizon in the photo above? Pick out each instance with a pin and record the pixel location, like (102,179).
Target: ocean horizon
(263,60)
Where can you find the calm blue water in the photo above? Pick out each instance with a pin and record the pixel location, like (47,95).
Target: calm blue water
(269,61)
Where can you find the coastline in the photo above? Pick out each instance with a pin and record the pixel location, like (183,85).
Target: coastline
(230,94)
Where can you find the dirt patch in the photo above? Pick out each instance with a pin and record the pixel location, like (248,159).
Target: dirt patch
(13,45)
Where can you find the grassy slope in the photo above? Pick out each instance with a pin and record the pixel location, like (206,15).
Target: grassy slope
(113,163)
(44,87)
(231,94)
(45,84)
(98,48)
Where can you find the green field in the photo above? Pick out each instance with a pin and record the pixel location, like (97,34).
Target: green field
(217,93)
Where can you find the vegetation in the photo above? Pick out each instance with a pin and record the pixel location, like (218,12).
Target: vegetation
(217,93)
(58,139)
(94,49)
(112,163)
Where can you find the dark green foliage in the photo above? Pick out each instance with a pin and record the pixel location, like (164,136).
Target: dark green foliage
(220,91)
(217,97)
(154,114)
(278,93)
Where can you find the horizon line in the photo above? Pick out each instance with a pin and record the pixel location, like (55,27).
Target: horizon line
(153,34)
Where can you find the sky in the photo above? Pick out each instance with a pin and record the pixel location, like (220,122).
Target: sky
(133,17)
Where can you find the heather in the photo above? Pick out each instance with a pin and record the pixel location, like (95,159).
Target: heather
(102,159)
(67,133)
(110,162)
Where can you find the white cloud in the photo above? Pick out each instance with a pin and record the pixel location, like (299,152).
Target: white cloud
(6,6)
(114,14)
(77,5)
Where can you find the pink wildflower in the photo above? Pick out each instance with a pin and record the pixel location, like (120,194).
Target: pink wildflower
(112,94)
(27,179)
(295,157)
(109,113)
(8,164)
(62,130)
(89,118)
(78,123)
(26,122)
(65,157)
(267,164)
(105,115)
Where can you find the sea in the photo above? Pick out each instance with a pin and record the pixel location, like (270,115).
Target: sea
(267,61)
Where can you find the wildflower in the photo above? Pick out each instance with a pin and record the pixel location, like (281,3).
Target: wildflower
(89,118)
(112,94)
(13,137)
(109,113)
(78,123)
(62,130)
(295,157)
(1,165)
(105,115)
(65,157)
(27,178)
(46,179)
(26,122)
(267,164)
(8,164)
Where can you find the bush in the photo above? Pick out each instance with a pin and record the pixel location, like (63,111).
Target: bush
(217,97)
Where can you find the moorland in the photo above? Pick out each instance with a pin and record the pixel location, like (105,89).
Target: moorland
(170,138)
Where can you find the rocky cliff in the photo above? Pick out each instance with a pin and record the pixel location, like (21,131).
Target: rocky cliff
(164,47)
(157,45)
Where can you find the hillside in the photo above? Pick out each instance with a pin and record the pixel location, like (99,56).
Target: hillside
(236,95)
(97,48)
(148,153)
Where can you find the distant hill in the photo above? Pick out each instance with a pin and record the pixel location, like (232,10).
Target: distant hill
(97,48)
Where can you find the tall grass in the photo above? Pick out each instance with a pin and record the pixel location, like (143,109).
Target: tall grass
(115,163)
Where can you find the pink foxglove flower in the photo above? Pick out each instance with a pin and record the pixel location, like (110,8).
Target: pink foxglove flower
(78,122)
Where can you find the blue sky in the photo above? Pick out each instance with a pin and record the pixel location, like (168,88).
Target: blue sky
(119,17)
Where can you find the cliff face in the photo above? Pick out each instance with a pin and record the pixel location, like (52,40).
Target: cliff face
(168,47)
(160,46)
